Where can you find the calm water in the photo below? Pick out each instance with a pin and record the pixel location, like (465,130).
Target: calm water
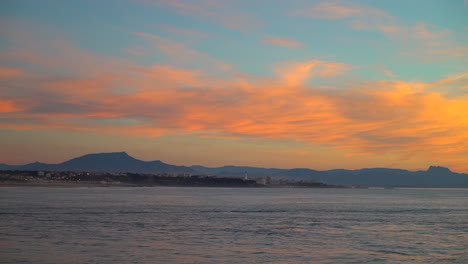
(224,225)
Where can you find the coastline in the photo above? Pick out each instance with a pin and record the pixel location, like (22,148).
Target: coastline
(61,184)
(97,184)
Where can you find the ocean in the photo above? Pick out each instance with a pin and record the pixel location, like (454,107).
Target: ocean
(232,225)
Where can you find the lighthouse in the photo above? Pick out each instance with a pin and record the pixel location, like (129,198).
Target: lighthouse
(245,176)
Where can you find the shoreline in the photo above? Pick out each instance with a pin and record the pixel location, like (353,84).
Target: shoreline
(103,185)
(96,184)
(61,184)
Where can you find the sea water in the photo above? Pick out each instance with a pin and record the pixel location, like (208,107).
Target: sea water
(232,225)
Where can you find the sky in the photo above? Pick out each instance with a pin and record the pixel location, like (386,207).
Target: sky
(269,83)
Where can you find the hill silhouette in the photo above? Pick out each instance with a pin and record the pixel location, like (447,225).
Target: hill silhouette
(105,162)
(434,176)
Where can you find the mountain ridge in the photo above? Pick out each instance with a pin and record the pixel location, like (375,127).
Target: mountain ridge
(434,176)
(104,162)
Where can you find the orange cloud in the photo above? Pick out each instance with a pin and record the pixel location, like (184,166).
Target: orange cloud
(375,118)
(10,72)
(388,29)
(327,10)
(297,73)
(282,42)
(8,106)
(114,96)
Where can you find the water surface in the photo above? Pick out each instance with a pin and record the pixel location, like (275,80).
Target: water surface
(232,225)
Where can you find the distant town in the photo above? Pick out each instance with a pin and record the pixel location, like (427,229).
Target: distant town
(68,178)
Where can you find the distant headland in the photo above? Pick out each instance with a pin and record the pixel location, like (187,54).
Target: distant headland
(122,168)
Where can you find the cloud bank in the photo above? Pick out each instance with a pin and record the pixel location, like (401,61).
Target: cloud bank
(112,95)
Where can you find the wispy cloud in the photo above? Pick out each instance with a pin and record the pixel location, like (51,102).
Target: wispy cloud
(296,73)
(190,34)
(224,13)
(341,10)
(387,72)
(10,72)
(327,10)
(179,52)
(422,40)
(283,42)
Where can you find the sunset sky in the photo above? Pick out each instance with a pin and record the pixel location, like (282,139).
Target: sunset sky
(270,83)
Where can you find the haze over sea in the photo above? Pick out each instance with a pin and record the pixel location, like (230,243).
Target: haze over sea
(232,225)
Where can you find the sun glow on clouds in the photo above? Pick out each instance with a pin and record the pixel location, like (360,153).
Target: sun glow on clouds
(191,92)
(374,117)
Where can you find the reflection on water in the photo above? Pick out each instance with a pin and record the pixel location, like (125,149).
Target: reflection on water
(213,225)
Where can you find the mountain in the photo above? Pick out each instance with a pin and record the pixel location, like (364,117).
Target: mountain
(105,162)
(434,176)
(439,170)
(7,167)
